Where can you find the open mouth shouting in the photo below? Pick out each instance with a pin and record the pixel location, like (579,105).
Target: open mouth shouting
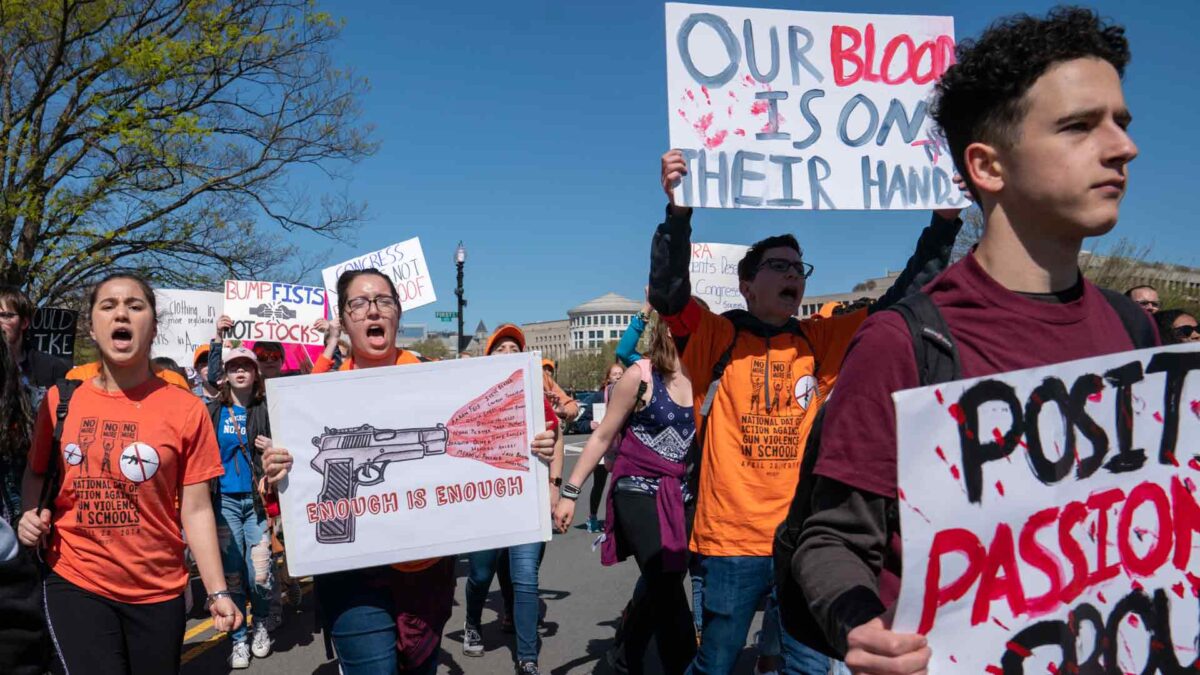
(377,336)
(122,339)
(790,294)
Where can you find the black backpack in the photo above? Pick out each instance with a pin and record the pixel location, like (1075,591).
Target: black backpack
(50,484)
(937,361)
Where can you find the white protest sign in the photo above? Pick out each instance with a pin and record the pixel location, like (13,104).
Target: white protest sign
(1050,516)
(714,275)
(598,411)
(404,263)
(409,462)
(267,310)
(186,320)
(807,110)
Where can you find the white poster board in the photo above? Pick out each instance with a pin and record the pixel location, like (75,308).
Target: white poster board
(186,320)
(268,310)
(404,263)
(807,110)
(714,275)
(1050,516)
(411,462)
(599,409)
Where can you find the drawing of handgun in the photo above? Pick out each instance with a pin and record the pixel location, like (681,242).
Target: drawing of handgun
(348,458)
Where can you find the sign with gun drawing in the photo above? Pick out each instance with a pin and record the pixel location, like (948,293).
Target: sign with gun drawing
(410,462)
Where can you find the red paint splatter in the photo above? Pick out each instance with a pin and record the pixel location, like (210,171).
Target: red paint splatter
(1194,465)
(1052,668)
(740,132)
(681,113)
(729,111)
(1157,645)
(953,659)
(1195,405)
(1134,621)
(749,80)
(1000,488)
(994,670)
(707,98)
(999,437)
(704,123)
(954,471)
(1100,594)
(1021,442)
(997,622)
(716,139)
(941,399)
(1158,417)
(957,413)
(1136,586)
(690,95)
(940,453)
(1018,649)
(759,107)
(1194,582)
(732,95)
(1096,397)
(1171,458)
(1178,589)
(1188,480)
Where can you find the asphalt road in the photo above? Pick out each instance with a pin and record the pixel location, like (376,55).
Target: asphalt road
(581,603)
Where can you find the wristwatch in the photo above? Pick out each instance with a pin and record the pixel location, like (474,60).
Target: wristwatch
(556,482)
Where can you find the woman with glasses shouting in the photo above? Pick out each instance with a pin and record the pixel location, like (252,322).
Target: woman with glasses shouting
(382,619)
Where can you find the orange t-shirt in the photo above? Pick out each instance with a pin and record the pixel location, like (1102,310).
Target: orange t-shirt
(324,365)
(89,370)
(761,415)
(126,456)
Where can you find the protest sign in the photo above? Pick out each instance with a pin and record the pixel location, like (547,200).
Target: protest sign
(410,462)
(599,410)
(186,320)
(266,310)
(52,331)
(1050,516)
(404,263)
(807,110)
(714,275)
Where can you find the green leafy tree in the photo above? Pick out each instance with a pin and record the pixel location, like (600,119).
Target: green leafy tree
(585,371)
(431,348)
(159,136)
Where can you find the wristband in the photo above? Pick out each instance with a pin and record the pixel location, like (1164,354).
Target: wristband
(219,594)
(569,491)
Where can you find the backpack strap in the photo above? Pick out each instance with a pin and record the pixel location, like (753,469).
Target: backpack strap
(50,486)
(933,345)
(645,369)
(1135,319)
(713,384)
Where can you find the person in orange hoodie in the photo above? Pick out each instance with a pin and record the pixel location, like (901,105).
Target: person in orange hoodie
(388,618)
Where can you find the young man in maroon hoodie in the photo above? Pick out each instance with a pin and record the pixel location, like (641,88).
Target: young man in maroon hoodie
(1036,120)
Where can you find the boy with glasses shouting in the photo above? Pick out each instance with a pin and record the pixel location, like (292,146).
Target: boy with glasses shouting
(758,376)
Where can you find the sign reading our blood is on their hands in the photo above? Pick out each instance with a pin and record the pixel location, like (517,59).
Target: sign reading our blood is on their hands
(807,110)
(1050,517)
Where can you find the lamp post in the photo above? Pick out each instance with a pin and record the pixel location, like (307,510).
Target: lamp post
(460,258)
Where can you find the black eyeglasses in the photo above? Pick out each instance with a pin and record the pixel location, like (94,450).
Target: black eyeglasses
(803,269)
(386,304)
(1149,303)
(1185,332)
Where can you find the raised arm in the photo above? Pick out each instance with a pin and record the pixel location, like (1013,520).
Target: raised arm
(671,252)
(627,352)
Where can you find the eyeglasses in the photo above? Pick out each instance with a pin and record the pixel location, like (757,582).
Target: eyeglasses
(1144,303)
(8,316)
(1185,332)
(386,304)
(802,269)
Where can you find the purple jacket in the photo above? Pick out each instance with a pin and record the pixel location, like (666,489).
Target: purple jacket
(635,459)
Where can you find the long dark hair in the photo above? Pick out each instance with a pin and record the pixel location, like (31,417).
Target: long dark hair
(16,411)
(1166,325)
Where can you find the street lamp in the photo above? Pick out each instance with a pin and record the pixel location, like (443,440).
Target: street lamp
(460,258)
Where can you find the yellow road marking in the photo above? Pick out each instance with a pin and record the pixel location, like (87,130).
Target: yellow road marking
(195,649)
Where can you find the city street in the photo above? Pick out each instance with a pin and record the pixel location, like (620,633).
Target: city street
(581,602)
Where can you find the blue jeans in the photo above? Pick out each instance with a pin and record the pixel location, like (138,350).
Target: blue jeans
(523,561)
(245,544)
(696,572)
(734,586)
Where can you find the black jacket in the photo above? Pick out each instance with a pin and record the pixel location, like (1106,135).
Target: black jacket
(257,424)
(42,369)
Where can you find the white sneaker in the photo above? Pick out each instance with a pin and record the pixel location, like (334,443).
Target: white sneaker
(240,658)
(262,643)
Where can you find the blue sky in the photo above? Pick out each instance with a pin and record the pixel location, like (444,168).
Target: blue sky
(532,131)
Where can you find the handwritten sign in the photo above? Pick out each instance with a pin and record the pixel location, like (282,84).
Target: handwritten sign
(404,263)
(266,310)
(807,110)
(1051,516)
(186,320)
(714,275)
(53,331)
(411,462)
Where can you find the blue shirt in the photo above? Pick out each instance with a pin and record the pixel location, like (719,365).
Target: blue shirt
(237,478)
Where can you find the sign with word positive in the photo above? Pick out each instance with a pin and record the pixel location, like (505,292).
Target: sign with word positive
(52,331)
(411,462)
(714,275)
(186,320)
(1051,518)
(807,110)
(267,310)
(404,263)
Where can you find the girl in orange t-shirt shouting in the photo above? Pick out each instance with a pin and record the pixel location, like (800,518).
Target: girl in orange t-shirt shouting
(134,464)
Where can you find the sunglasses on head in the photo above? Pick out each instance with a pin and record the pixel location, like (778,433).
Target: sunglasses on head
(268,357)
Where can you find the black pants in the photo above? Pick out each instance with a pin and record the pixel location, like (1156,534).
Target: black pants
(599,478)
(24,640)
(93,634)
(662,611)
